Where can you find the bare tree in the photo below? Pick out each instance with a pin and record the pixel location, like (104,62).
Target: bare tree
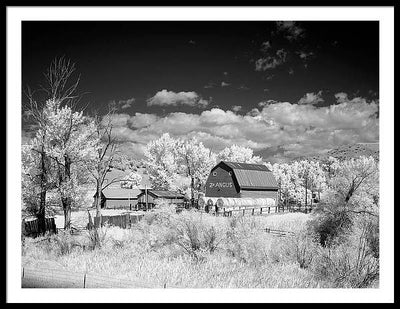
(106,151)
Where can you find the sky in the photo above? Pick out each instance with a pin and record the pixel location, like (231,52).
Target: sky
(283,88)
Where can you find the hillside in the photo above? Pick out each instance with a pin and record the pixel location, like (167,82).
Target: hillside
(347,152)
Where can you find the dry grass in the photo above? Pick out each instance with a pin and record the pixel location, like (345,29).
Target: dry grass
(191,250)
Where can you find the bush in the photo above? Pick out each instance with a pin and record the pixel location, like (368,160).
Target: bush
(299,249)
(354,262)
(97,237)
(64,243)
(246,242)
(331,226)
(195,235)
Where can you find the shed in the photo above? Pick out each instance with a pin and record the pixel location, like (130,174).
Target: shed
(155,196)
(241,180)
(113,198)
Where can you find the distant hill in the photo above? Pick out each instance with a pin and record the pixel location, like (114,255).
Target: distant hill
(347,152)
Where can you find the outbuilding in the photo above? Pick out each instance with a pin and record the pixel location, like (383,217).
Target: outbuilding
(119,198)
(148,198)
(241,180)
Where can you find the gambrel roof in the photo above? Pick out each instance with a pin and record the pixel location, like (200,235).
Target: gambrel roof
(251,176)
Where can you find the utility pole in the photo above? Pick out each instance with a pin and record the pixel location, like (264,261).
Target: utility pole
(145,191)
(129,200)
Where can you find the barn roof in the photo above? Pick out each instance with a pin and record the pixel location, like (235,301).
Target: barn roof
(116,193)
(252,176)
(164,193)
(247,166)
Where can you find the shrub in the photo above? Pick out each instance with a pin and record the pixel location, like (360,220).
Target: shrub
(64,242)
(352,263)
(196,236)
(97,237)
(299,249)
(331,226)
(246,242)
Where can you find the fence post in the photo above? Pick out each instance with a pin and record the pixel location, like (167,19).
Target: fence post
(84,280)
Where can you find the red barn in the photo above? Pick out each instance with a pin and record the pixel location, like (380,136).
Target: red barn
(241,180)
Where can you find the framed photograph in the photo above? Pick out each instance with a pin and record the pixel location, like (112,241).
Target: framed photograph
(200,154)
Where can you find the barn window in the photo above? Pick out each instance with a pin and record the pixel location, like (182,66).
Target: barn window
(214,173)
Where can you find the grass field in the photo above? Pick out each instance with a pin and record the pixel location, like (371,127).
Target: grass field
(190,250)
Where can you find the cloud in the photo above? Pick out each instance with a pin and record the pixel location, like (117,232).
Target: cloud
(243,87)
(210,85)
(237,108)
(311,98)
(290,30)
(265,46)
(267,102)
(294,129)
(142,120)
(170,98)
(341,97)
(123,104)
(305,55)
(224,84)
(271,62)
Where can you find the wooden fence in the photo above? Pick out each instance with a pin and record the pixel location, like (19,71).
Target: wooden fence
(124,221)
(280,233)
(31,227)
(58,278)
(255,210)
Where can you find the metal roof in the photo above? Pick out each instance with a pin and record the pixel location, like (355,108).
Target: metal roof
(164,193)
(249,179)
(116,193)
(246,166)
(252,176)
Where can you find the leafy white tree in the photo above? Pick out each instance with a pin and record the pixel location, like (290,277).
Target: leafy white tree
(36,179)
(283,175)
(58,88)
(195,162)
(130,181)
(161,160)
(70,140)
(313,178)
(239,154)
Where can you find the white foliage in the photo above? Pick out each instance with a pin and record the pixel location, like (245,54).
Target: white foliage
(161,162)
(131,180)
(239,154)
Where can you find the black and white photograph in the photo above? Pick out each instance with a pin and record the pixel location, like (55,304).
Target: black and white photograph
(156,154)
